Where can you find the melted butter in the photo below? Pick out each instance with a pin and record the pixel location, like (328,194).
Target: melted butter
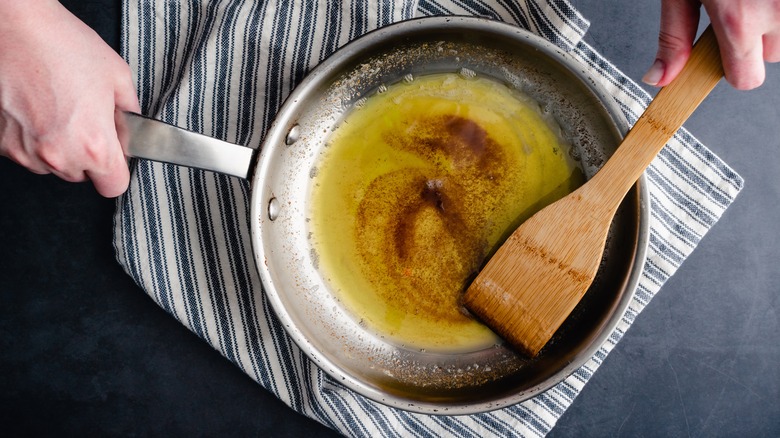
(418,186)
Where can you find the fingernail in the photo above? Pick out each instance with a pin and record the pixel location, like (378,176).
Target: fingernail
(656,72)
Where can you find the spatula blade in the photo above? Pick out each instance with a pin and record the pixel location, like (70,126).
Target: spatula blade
(539,274)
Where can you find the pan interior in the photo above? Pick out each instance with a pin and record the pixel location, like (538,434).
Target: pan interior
(407,377)
(419,184)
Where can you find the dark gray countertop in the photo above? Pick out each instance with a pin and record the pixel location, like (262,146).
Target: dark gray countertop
(84,351)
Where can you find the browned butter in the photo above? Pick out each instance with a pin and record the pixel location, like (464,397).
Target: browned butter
(417,186)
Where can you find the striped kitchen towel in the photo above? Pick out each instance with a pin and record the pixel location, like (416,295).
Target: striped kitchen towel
(223,69)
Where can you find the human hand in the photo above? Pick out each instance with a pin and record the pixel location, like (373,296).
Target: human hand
(748,33)
(61,87)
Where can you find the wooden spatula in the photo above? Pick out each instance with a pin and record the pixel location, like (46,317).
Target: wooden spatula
(537,277)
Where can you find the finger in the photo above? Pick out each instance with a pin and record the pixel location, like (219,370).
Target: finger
(771,44)
(113,176)
(69,173)
(73,176)
(122,129)
(679,21)
(742,54)
(110,174)
(740,28)
(745,71)
(20,157)
(125,100)
(107,167)
(125,96)
(35,166)
(56,159)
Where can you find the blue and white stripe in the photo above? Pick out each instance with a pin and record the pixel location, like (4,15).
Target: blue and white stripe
(224,68)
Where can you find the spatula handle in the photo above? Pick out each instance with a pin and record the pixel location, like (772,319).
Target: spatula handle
(664,116)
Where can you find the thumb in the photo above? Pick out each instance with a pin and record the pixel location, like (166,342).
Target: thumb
(679,22)
(112,178)
(125,97)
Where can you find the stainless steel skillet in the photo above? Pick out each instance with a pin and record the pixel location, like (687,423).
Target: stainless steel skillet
(282,172)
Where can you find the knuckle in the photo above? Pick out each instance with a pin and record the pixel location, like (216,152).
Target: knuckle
(123,69)
(98,154)
(732,23)
(671,42)
(94,151)
(17,155)
(56,161)
(50,155)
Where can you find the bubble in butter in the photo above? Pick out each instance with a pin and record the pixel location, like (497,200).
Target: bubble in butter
(419,184)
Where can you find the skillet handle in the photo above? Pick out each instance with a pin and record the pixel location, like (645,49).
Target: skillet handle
(151,139)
